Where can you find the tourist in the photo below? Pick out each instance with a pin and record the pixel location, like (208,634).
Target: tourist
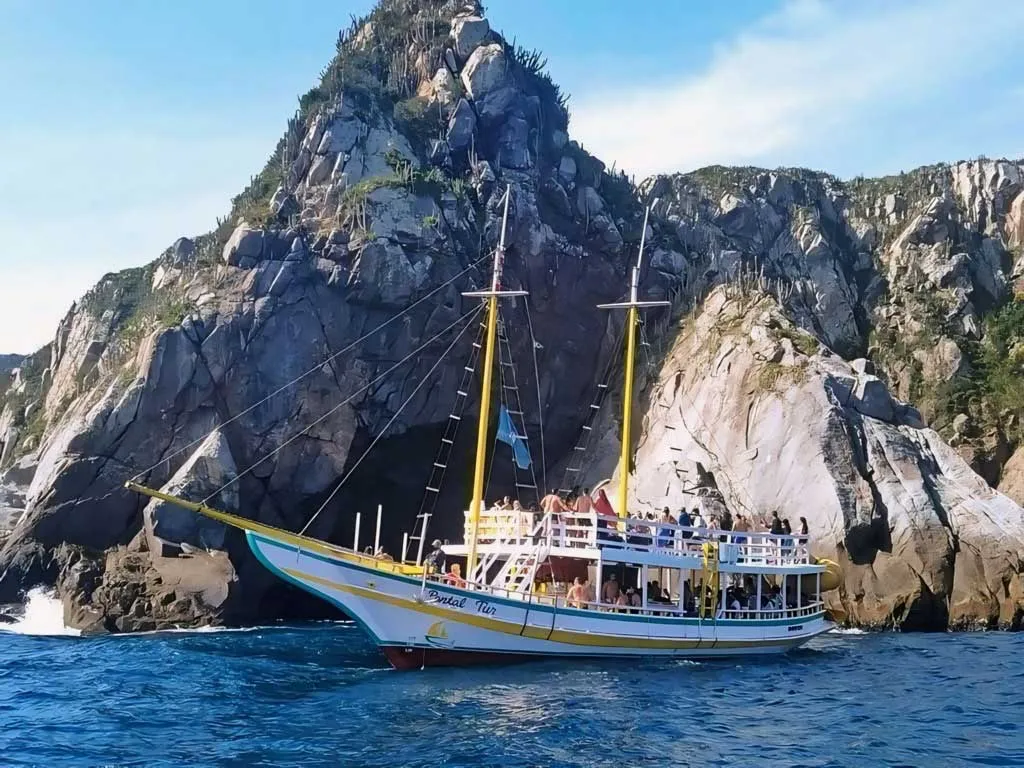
(605,514)
(686,522)
(635,601)
(436,560)
(621,602)
(577,594)
(776,524)
(697,521)
(516,506)
(742,526)
(552,503)
(610,590)
(589,590)
(666,535)
(455,576)
(584,503)
(787,543)
(726,521)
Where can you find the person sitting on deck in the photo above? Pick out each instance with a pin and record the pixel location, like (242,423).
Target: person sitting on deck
(437,559)
(635,601)
(576,597)
(505,503)
(454,576)
(610,590)
(621,602)
(380,554)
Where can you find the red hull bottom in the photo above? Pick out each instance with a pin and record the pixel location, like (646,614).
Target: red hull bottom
(417,658)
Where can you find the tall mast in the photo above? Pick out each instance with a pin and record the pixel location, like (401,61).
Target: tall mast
(491,300)
(632,307)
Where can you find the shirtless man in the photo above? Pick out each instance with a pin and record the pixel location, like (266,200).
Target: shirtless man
(610,590)
(552,502)
(584,503)
(577,594)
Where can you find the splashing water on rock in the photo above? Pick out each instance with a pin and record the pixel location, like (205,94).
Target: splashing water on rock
(44,615)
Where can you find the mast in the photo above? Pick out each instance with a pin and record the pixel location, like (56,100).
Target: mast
(491,298)
(632,307)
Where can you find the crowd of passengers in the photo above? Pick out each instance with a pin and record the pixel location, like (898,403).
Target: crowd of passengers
(740,600)
(581,506)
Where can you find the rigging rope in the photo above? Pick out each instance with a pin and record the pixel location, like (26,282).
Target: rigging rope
(344,402)
(540,406)
(314,369)
(503,339)
(391,421)
(447,445)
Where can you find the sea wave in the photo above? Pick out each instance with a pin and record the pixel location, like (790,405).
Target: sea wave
(43,615)
(847,631)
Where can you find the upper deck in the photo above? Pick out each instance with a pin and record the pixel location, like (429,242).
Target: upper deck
(635,540)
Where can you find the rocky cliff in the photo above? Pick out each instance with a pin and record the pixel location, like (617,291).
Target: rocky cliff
(385,187)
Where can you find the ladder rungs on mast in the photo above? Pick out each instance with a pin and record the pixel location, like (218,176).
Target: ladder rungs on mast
(433,490)
(446,440)
(525,485)
(442,466)
(460,393)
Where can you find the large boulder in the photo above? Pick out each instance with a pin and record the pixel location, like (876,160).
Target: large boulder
(244,247)
(469,32)
(206,472)
(489,82)
(461,126)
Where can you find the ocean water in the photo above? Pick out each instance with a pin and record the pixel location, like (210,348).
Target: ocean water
(321,695)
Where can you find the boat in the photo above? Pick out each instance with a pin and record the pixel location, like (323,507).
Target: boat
(516,587)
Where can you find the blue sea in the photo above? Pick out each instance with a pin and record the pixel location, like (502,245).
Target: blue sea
(321,695)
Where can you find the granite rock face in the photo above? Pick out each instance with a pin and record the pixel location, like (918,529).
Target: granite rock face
(361,225)
(385,195)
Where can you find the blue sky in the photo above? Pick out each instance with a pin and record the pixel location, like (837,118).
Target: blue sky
(128,123)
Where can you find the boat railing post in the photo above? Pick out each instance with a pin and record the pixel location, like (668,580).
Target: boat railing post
(355,537)
(423,537)
(405,546)
(376,536)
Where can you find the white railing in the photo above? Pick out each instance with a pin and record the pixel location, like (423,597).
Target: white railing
(671,610)
(575,530)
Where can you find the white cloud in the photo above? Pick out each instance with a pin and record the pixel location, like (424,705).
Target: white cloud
(818,71)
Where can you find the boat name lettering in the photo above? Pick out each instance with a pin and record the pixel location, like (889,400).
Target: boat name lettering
(455,602)
(482,606)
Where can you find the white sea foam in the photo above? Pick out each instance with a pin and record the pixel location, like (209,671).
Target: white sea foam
(847,631)
(44,615)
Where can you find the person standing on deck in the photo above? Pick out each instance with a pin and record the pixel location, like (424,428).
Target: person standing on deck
(610,590)
(436,560)
(666,535)
(686,521)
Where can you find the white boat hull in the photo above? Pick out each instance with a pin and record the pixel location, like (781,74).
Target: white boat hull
(418,625)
